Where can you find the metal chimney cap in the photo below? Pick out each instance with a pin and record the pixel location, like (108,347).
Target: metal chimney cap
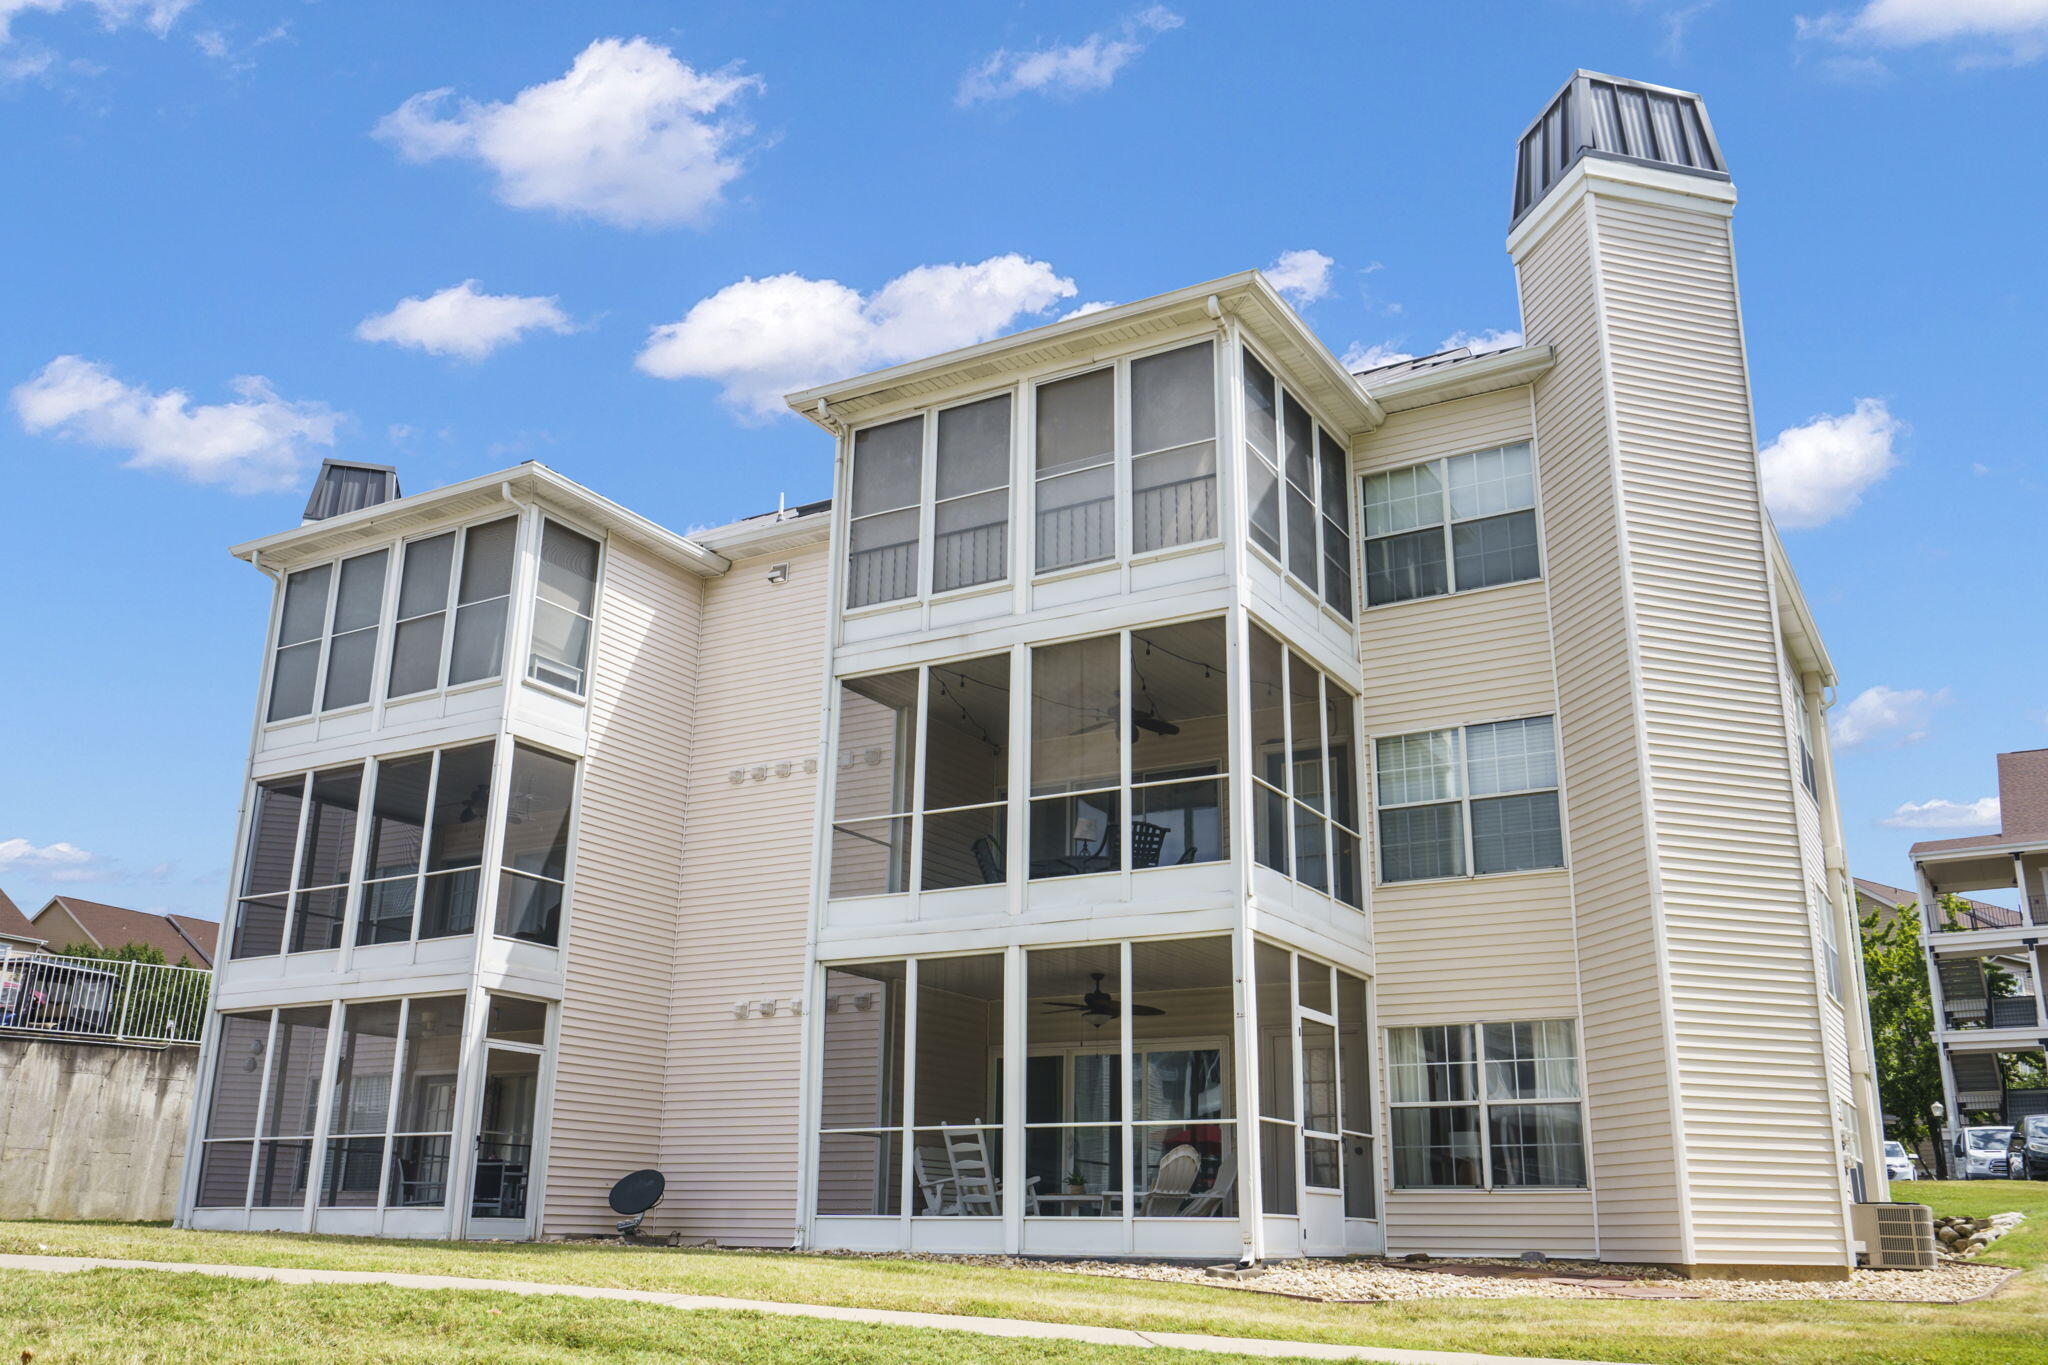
(349,486)
(1616,120)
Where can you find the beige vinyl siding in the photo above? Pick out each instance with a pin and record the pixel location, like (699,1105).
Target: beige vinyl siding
(1430,433)
(1452,952)
(611,1047)
(732,1131)
(1455,660)
(1558,1223)
(1755,1110)
(1623,1007)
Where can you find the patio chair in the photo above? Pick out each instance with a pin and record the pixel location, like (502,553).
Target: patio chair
(935,1184)
(988,858)
(975,1179)
(1214,1201)
(1171,1182)
(1147,839)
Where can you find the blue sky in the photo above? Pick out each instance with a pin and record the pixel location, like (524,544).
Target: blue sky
(221,210)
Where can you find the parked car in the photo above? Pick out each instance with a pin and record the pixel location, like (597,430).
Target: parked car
(1899,1163)
(1979,1153)
(2027,1149)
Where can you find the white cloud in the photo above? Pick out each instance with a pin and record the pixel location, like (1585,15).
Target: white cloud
(1080,68)
(1939,814)
(58,862)
(1980,32)
(256,444)
(763,338)
(1359,356)
(1303,276)
(1888,713)
(1815,473)
(628,136)
(1083,310)
(1493,339)
(155,15)
(462,322)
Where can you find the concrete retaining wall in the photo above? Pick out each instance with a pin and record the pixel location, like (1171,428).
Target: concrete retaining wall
(92,1130)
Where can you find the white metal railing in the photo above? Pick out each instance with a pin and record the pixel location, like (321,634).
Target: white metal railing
(80,997)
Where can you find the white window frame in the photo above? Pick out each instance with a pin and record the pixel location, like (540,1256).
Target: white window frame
(324,641)
(1448,524)
(1463,798)
(1475,1033)
(448,609)
(1361,746)
(581,695)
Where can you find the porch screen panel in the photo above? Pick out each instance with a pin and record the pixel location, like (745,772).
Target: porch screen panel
(483,595)
(267,867)
(1333,463)
(284,1158)
(1310,785)
(1076,738)
(352,645)
(321,900)
(860,1105)
(1262,455)
(423,1126)
(956,1157)
(1297,439)
(398,832)
(885,488)
(455,846)
(1183,1089)
(1073,1089)
(966,772)
(1173,448)
(971,495)
(532,886)
(228,1148)
(1180,744)
(1273,971)
(416,644)
(1270,821)
(1076,465)
(872,784)
(1355,1096)
(360,1109)
(302,626)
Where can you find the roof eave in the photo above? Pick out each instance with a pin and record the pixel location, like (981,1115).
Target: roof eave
(530,479)
(1247,294)
(1507,369)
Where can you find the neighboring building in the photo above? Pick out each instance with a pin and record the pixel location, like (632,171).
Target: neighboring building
(1412,782)
(16,933)
(68,920)
(1978,1031)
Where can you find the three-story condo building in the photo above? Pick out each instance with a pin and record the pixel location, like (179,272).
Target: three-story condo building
(1177,797)
(1988,961)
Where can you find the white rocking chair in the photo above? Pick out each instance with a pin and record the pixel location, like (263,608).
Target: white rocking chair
(1171,1182)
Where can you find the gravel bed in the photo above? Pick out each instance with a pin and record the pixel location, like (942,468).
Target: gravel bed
(1375,1280)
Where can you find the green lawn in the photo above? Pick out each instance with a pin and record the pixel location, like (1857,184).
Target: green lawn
(2009,1329)
(129,1317)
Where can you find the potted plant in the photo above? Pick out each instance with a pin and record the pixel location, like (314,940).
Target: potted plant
(1076,1182)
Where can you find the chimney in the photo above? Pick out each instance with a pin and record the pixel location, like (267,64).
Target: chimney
(344,486)
(1614,120)
(2023,794)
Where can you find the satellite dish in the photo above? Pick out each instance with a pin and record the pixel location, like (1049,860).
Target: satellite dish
(634,1195)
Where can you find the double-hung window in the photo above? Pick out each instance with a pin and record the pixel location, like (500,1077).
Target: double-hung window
(1803,737)
(1830,938)
(327,640)
(475,568)
(1297,491)
(1470,801)
(564,605)
(1451,525)
(1486,1106)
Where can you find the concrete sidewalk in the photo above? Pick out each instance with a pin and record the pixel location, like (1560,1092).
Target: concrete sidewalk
(988,1327)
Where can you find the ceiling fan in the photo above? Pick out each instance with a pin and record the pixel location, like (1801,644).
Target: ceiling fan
(1098,1006)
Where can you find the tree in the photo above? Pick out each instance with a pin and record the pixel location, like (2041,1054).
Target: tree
(1902,1025)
